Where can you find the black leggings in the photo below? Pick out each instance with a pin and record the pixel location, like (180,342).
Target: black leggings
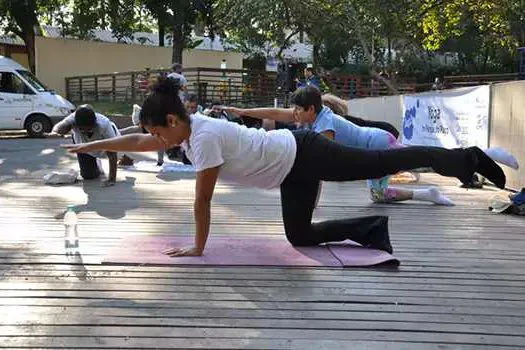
(88,166)
(319,158)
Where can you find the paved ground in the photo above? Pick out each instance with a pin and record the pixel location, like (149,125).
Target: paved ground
(460,284)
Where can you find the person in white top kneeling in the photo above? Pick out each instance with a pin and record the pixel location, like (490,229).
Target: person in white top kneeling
(87,126)
(294,161)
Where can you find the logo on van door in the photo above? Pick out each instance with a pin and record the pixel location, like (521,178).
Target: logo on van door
(15,100)
(21,99)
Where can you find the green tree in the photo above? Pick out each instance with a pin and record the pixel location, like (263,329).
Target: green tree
(260,25)
(333,27)
(122,17)
(180,17)
(22,20)
(515,13)
(479,31)
(76,18)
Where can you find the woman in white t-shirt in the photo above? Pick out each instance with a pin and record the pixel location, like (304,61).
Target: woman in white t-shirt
(294,161)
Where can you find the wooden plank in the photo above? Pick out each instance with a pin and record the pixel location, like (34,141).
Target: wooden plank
(247,273)
(103,313)
(263,305)
(358,282)
(257,323)
(143,337)
(174,291)
(260,287)
(276,274)
(253,343)
(191,343)
(362,297)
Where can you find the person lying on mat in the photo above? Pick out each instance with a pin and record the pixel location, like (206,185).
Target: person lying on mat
(294,161)
(310,111)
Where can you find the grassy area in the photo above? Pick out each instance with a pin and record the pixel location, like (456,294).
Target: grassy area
(112,108)
(118,112)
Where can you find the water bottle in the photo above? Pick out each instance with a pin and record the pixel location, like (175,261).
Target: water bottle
(71,232)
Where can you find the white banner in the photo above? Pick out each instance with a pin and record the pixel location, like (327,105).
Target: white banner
(447,118)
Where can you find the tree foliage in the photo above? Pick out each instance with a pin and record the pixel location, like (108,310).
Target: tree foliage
(483,34)
(180,18)
(260,25)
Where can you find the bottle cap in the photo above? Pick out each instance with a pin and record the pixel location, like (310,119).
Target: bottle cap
(71,207)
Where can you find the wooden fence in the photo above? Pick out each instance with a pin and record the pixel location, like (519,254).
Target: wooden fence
(234,86)
(226,85)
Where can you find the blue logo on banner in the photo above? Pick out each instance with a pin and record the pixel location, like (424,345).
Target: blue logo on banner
(408,122)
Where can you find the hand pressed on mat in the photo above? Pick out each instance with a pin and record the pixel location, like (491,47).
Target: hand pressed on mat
(187,251)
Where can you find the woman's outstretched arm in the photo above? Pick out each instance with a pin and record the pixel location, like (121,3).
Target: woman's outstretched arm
(277,114)
(128,143)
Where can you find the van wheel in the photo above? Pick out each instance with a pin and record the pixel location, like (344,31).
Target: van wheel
(37,125)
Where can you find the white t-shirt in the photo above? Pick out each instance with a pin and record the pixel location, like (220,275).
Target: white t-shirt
(105,129)
(247,156)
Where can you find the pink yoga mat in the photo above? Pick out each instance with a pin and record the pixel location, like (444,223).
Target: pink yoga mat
(242,251)
(352,255)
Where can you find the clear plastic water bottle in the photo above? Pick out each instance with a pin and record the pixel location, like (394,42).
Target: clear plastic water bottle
(71,231)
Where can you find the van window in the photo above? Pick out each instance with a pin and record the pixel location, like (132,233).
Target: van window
(11,83)
(32,80)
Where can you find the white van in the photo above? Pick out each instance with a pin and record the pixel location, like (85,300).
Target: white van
(25,103)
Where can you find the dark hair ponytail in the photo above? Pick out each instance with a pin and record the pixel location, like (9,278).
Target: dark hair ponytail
(163,100)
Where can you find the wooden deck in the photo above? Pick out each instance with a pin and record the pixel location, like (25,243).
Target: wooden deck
(460,285)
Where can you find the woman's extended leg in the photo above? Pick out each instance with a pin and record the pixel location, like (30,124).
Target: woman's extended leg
(319,158)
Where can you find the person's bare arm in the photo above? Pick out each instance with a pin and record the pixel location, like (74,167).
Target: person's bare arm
(277,114)
(61,128)
(112,178)
(128,143)
(204,187)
